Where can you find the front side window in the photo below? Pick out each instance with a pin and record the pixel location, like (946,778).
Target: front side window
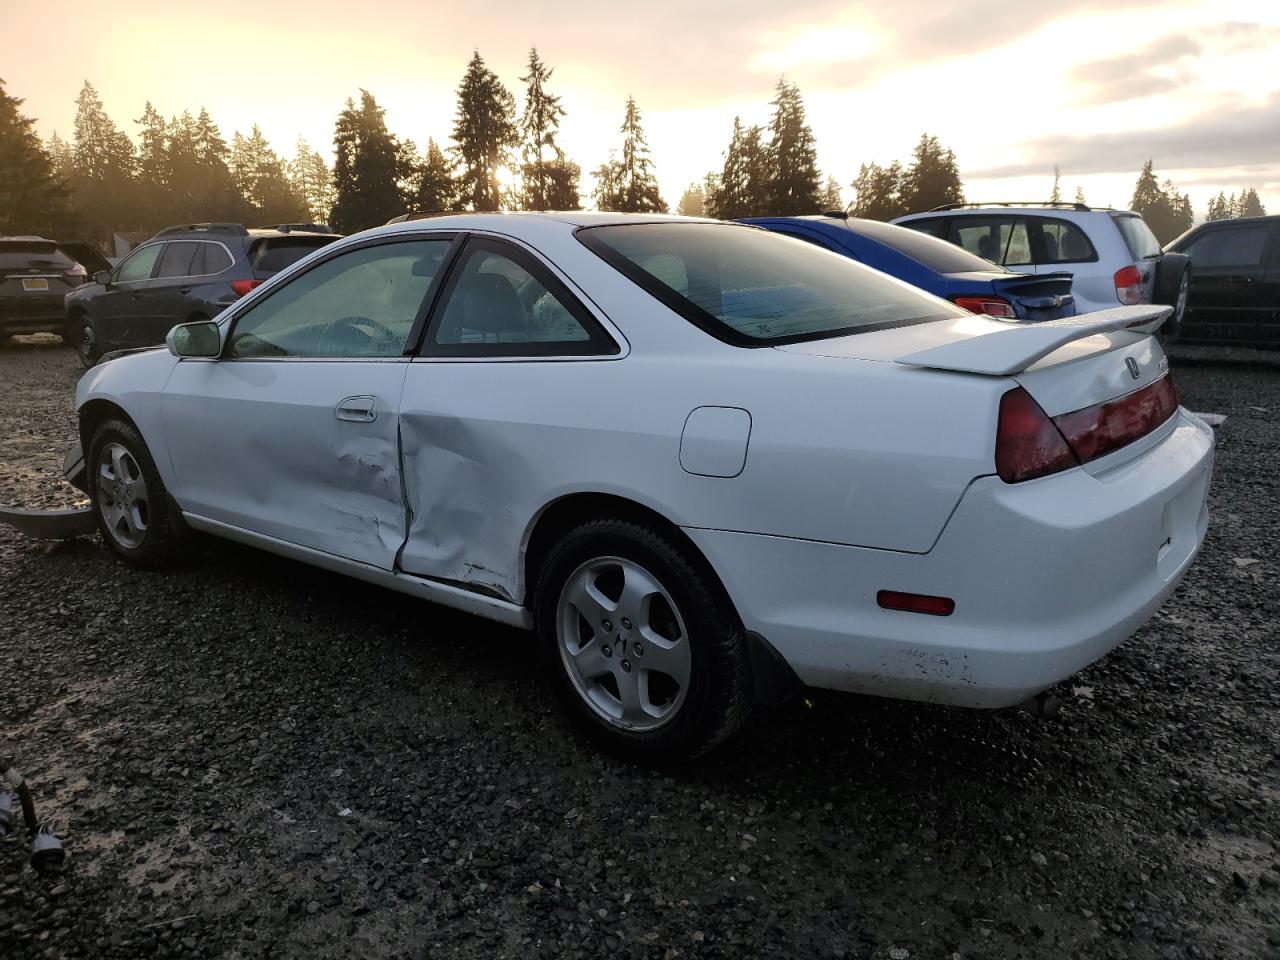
(138,264)
(1001,240)
(750,287)
(362,303)
(1063,242)
(1241,246)
(502,303)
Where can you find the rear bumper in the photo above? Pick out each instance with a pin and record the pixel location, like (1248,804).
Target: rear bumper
(27,316)
(1047,577)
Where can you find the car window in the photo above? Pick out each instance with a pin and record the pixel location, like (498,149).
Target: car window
(1001,240)
(270,255)
(928,250)
(138,264)
(754,288)
(1142,243)
(216,259)
(362,303)
(178,259)
(25,254)
(933,226)
(1235,246)
(1063,242)
(502,304)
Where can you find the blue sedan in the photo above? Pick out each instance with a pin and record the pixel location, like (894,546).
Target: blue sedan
(941,268)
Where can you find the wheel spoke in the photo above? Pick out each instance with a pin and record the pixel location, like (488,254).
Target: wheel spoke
(590,661)
(118,470)
(637,588)
(665,656)
(633,711)
(137,488)
(589,601)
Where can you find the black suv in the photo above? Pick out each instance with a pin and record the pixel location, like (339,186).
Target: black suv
(1235,283)
(35,274)
(183,273)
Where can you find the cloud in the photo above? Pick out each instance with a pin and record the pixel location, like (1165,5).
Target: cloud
(1224,138)
(1159,66)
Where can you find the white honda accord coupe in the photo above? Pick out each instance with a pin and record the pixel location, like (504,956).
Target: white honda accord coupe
(706,463)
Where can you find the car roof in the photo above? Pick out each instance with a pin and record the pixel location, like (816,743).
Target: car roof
(528,224)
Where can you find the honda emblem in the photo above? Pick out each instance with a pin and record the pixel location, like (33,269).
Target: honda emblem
(1132,364)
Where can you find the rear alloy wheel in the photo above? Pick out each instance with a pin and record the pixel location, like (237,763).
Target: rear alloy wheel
(134,513)
(643,647)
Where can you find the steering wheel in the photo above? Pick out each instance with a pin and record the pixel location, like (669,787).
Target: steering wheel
(340,326)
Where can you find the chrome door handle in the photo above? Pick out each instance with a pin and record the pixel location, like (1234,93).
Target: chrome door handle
(357,409)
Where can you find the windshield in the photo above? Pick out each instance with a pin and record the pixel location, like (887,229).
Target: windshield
(1142,243)
(750,287)
(937,255)
(271,255)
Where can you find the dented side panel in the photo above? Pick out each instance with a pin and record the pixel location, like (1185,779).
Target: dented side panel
(260,445)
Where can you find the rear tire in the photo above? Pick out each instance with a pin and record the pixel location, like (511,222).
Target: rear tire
(80,334)
(137,519)
(642,646)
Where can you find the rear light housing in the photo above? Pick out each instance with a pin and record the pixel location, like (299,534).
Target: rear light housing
(916,603)
(241,287)
(991,306)
(1030,444)
(77,273)
(1128,285)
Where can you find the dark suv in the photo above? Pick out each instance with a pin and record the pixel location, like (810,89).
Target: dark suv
(35,274)
(183,273)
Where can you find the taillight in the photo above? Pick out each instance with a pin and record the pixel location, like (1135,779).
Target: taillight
(1098,430)
(1028,445)
(77,274)
(241,287)
(916,603)
(1128,285)
(991,306)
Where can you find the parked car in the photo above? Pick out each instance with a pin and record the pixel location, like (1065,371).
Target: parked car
(706,463)
(1235,282)
(188,272)
(34,277)
(1113,256)
(936,266)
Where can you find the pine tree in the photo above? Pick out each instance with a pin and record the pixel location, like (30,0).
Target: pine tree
(692,202)
(313,181)
(629,184)
(103,156)
(1166,212)
(367,168)
(262,180)
(933,177)
(33,198)
(831,201)
(153,153)
(61,156)
(1219,209)
(1055,195)
(539,125)
(1079,194)
(436,187)
(878,192)
(793,155)
(484,131)
(1251,204)
(745,185)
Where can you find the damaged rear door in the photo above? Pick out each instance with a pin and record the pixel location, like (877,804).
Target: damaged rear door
(293,432)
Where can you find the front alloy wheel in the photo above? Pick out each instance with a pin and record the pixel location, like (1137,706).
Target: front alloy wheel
(122,496)
(624,644)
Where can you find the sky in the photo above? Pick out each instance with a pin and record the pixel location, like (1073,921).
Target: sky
(1015,87)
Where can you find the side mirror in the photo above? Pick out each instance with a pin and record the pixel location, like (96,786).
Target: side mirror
(201,340)
(103,277)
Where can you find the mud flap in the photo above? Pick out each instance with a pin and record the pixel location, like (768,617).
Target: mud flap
(50,524)
(772,678)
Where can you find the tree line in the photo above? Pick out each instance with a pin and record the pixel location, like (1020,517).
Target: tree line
(183,169)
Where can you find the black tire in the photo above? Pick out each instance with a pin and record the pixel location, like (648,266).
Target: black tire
(81,335)
(1172,288)
(718,699)
(161,539)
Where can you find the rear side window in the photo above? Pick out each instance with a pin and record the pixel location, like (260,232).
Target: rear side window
(215,259)
(749,287)
(178,257)
(1142,243)
(271,255)
(933,226)
(1063,242)
(24,254)
(1236,246)
(1002,240)
(926,249)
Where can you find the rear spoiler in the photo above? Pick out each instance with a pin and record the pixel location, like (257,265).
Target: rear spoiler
(1019,345)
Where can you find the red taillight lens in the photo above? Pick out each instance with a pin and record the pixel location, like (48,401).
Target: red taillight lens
(241,287)
(1028,445)
(916,603)
(1096,431)
(991,306)
(1128,285)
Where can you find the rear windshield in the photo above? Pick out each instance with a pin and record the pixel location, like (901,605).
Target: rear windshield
(937,255)
(750,287)
(22,254)
(1142,243)
(273,254)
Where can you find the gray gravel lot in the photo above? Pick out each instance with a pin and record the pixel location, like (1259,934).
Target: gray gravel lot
(251,758)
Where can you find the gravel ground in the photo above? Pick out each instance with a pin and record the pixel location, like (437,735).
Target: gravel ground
(248,757)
